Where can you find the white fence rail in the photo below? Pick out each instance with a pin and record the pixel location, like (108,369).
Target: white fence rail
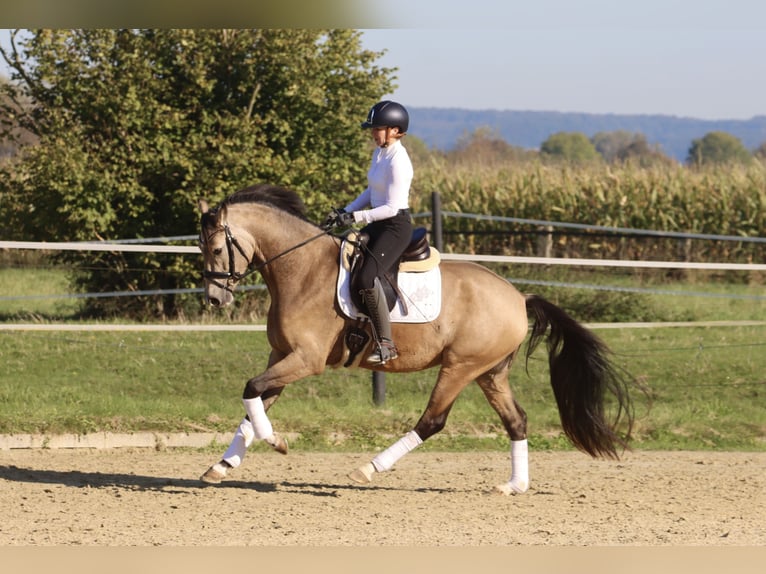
(122,247)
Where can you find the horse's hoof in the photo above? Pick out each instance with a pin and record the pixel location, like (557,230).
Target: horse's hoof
(279,444)
(509,488)
(215,474)
(363,474)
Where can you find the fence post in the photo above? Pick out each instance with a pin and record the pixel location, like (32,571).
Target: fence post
(378,388)
(436,221)
(545,242)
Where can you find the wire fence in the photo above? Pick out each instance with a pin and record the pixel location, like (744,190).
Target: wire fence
(619,231)
(160,245)
(174,244)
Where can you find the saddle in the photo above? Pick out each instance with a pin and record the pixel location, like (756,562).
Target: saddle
(417,257)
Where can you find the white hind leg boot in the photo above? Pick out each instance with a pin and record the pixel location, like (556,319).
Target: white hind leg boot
(386,459)
(519,482)
(243,438)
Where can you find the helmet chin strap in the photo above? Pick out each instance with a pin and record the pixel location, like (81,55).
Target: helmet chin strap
(388,131)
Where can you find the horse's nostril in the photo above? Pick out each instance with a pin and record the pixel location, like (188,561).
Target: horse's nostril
(214,302)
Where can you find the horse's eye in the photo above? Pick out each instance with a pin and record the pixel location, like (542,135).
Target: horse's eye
(217,251)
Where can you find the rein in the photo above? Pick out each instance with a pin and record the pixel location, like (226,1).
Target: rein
(232,273)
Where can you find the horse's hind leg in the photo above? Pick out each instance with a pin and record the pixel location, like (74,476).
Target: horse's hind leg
(494,384)
(450,383)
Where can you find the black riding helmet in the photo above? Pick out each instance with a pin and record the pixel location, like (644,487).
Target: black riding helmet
(387,114)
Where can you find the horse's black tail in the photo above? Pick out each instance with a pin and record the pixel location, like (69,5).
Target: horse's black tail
(581,373)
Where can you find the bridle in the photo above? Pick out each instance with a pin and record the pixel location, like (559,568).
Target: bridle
(232,275)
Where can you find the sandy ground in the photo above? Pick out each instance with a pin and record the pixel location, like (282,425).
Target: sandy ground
(143,497)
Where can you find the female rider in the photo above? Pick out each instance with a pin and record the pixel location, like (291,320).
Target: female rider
(384,209)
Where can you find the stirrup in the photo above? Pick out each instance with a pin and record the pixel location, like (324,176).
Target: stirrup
(385,351)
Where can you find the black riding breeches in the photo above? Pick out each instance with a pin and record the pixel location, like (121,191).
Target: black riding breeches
(388,240)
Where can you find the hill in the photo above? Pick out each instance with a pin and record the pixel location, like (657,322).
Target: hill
(441,127)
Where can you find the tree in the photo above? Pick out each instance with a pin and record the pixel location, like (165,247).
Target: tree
(611,144)
(484,146)
(11,136)
(573,147)
(718,148)
(760,152)
(622,146)
(135,126)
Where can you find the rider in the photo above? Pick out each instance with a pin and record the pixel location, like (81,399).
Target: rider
(384,209)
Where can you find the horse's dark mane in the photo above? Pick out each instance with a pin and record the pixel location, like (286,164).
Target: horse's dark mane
(280,197)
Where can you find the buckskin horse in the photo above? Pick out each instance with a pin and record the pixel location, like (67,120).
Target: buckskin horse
(480,328)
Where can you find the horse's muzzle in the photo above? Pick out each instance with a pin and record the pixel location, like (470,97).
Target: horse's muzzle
(218,296)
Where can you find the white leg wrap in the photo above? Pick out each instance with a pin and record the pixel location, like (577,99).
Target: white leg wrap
(386,459)
(261,423)
(519,466)
(243,438)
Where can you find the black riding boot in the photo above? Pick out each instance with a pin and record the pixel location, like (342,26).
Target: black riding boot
(377,309)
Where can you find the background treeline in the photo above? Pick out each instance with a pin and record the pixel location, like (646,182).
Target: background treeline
(113,134)
(443,127)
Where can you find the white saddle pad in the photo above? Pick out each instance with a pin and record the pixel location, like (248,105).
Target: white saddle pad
(421,291)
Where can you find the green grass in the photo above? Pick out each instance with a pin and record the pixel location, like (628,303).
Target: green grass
(33,291)
(706,387)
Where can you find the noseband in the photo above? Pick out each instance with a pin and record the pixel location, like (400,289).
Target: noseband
(232,274)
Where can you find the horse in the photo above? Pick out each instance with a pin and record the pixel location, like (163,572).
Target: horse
(479,331)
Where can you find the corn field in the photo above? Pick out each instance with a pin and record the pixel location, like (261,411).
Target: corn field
(719,201)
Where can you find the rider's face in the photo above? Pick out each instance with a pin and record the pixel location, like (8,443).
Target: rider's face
(384,136)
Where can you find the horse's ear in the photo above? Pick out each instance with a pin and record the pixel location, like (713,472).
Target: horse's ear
(203,206)
(220,216)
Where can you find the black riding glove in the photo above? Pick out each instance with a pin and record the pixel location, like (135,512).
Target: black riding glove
(345,219)
(338,218)
(329,220)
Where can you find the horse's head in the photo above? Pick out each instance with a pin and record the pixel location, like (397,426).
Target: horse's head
(223,256)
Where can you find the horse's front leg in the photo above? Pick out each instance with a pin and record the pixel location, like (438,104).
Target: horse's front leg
(259,395)
(235,453)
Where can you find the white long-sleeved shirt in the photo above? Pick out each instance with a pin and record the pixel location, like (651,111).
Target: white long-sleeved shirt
(388,185)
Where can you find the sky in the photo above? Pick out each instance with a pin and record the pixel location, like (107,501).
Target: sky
(703,58)
(691,58)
